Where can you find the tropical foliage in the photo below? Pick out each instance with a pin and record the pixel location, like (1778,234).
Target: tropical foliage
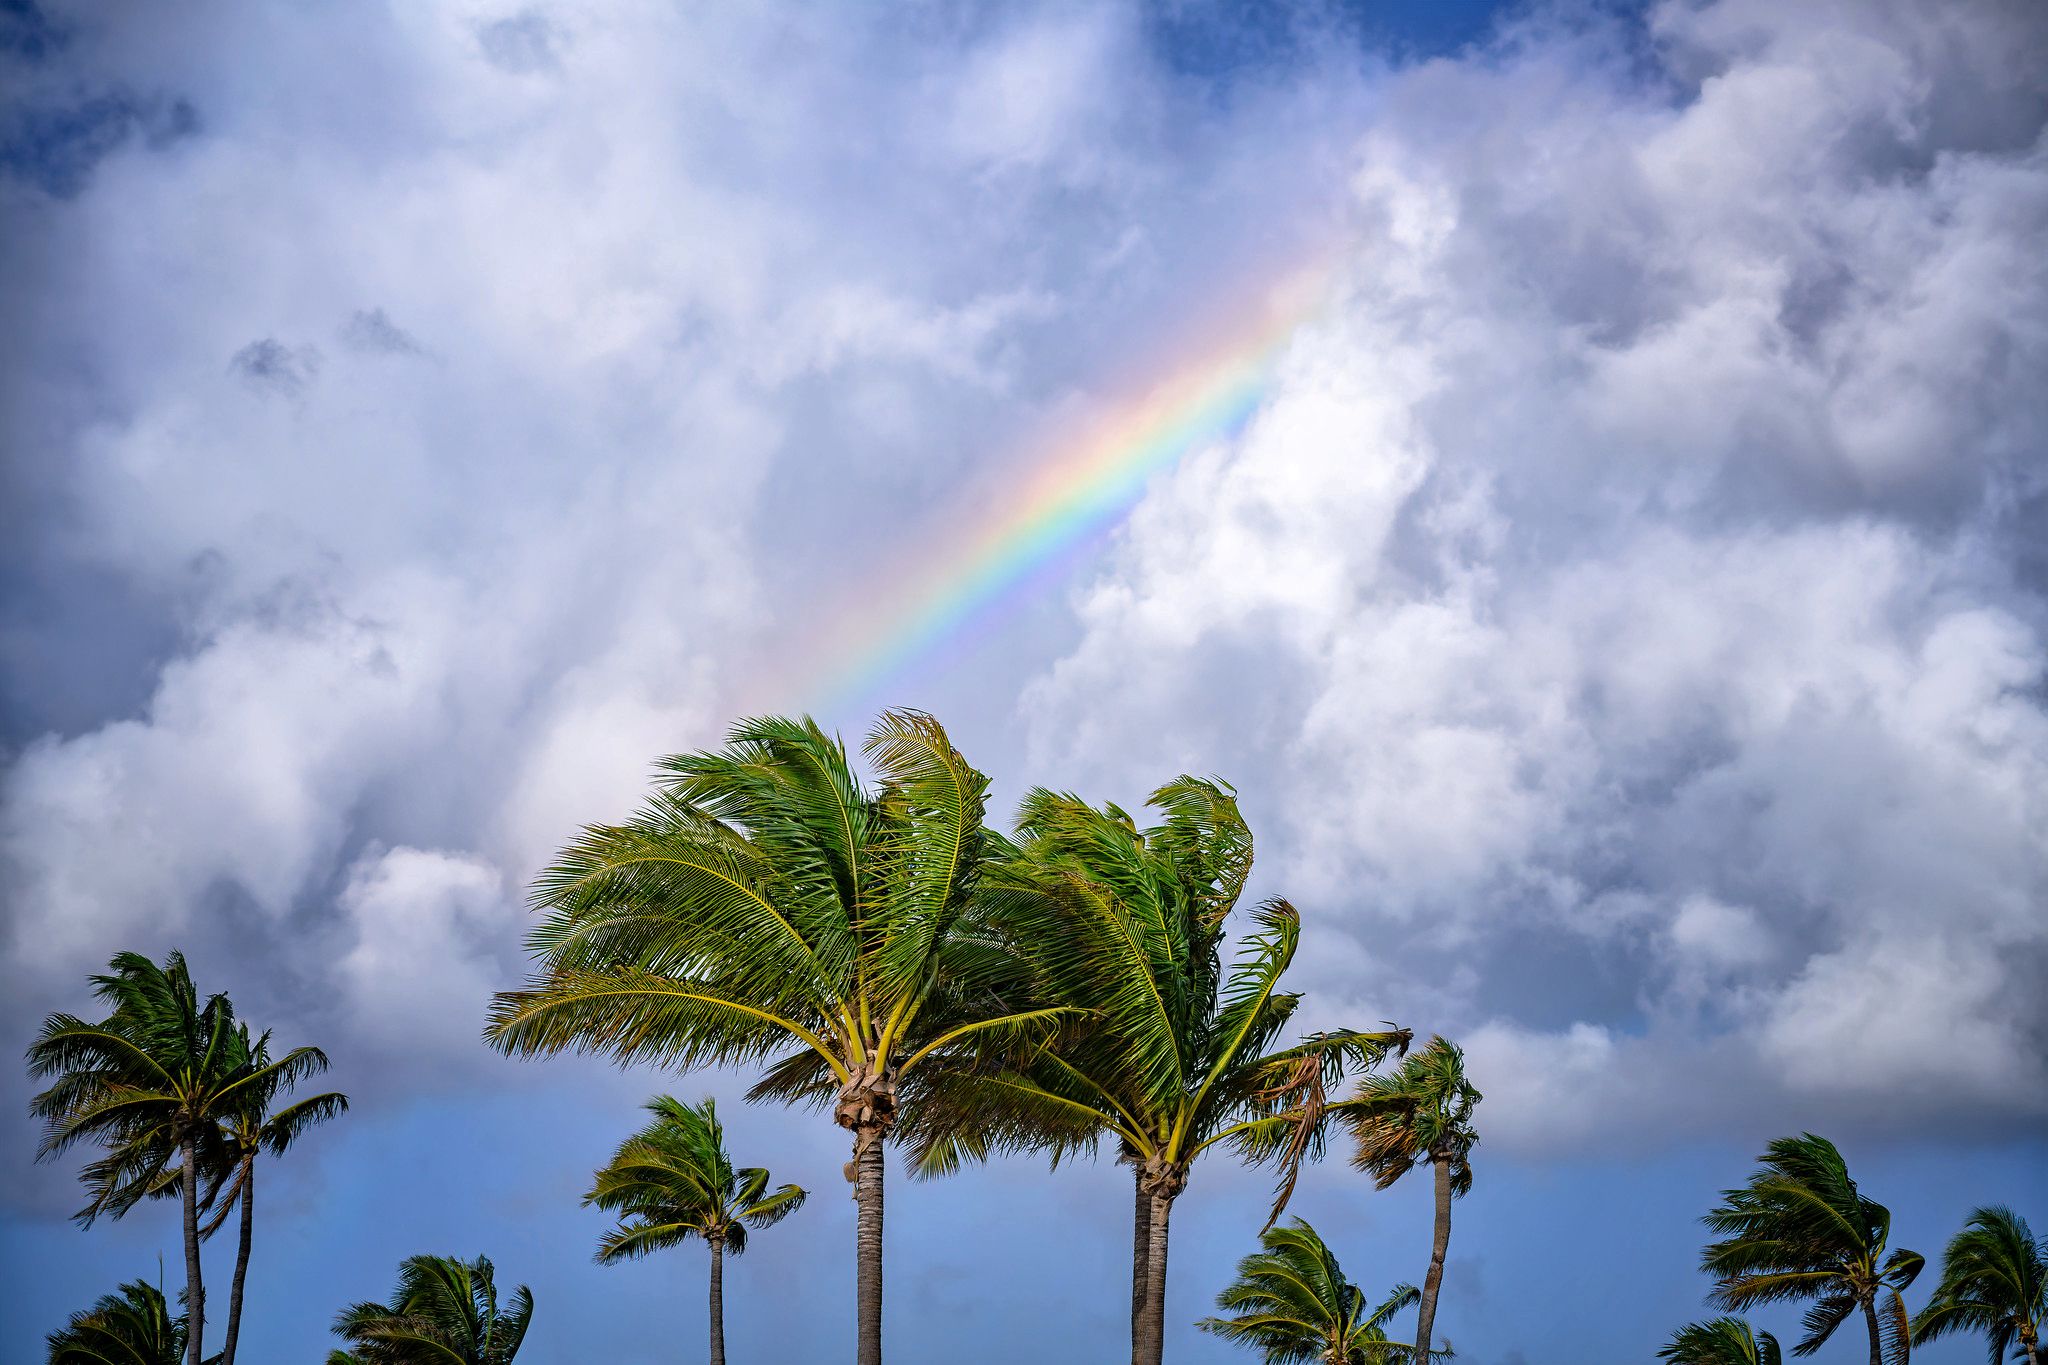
(1722,1341)
(1420,1112)
(152,1083)
(672,1181)
(445,1311)
(1994,1280)
(769,905)
(1800,1231)
(132,1327)
(1161,1047)
(1291,1303)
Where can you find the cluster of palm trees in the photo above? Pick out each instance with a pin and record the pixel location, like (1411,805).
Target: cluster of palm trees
(182,1098)
(885,956)
(1800,1232)
(882,954)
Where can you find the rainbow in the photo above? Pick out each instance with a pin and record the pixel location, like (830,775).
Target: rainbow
(1079,484)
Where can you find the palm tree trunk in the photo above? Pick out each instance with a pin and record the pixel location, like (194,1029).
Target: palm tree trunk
(1876,1336)
(1141,1244)
(195,1291)
(867,1195)
(717,1301)
(1152,1326)
(1425,1315)
(248,1184)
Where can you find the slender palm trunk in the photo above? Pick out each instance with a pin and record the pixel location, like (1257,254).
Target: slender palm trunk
(867,1195)
(1152,1326)
(195,1291)
(248,1184)
(1876,1336)
(717,1301)
(1425,1319)
(1141,1244)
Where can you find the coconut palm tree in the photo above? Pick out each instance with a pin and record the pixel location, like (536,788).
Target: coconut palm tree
(672,1181)
(151,1083)
(1800,1230)
(1420,1112)
(132,1327)
(1164,1051)
(1292,1304)
(768,903)
(1994,1280)
(248,1129)
(445,1311)
(1721,1341)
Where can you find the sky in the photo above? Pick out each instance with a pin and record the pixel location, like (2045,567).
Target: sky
(1620,601)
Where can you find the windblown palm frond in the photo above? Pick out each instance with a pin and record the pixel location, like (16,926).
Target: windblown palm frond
(1994,1280)
(445,1311)
(1721,1341)
(1292,1304)
(131,1327)
(1801,1231)
(673,1180)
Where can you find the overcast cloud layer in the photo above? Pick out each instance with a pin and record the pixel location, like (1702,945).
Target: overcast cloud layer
(1625,617)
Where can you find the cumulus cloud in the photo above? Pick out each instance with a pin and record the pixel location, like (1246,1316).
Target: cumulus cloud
(1636,561)
(1623,617)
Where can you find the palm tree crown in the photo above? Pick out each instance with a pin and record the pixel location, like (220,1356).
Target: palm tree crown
(768,904)
(132,1327)
(1164,1049)
(1721,1341)
(1292,1304)
(444,1312)
(673,1180)
(1994,1280)
(1419,1112)
(1800,1229)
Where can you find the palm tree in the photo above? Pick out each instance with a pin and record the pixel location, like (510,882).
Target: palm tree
(1292,1304)
(1800,1229)
(444,1312)
(1994,1280)
(249,1128)
(1421,1112)
(133,1327)
(672,1181)
(1163,1050)
(1721,1341)
(151,1083)
(769,904)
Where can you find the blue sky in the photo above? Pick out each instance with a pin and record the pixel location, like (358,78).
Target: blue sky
(1624,618)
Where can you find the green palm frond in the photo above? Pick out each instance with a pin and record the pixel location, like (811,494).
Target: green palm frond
(673,1180)
(1291,1303)
(131,1327)
(1994,1280)
(1721,1341)
(445,1311)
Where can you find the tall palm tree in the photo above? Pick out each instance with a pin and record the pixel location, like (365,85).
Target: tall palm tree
(1164,1050)
(1292,1304)
(1721,1341)
(1420,1112)
(445,1311)
(1994,1280)
(1799,1230)
(132,1327)
(248,1129)
(672,1181)
(768,903)
(151,1082)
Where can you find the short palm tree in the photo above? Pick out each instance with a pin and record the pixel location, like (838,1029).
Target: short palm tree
(1168,1053)
(1994,1280)
(444,1312)
(1800,1230)
(1420,1112)
(769,904)
(152,1082)
(672,1181)
(133,1327)
(1291,1303)
(1721,1341)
